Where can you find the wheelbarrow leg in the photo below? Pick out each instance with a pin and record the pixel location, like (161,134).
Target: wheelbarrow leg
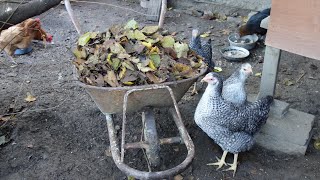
(151,137)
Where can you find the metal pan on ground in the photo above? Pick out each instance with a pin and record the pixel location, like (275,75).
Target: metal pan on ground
(248,42)
(23,51)
(233,53)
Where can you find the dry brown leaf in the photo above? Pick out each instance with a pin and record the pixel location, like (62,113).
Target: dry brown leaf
(122,72)
(183,70)
(111,79)
(143,68)
(30,97)
(131,56)
(153,78)
(178,177)
(150,29)
(5,118)
(100,80)
(226,31)
(288,82)
(89,81)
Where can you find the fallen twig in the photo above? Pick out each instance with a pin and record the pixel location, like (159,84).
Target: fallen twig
(300,77)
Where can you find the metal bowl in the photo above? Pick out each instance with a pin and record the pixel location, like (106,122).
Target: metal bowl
(234,53)
(23,51)
(248,42)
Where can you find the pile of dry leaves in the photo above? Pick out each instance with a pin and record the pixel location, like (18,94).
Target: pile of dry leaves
(129,55)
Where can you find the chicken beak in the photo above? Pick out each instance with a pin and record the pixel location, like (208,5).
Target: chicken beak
(250,71)
(205,79)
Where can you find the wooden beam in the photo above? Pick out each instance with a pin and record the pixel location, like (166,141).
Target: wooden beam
(269,72)
(295,27)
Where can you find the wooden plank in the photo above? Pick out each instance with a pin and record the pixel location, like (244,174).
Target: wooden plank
(295,27)
(269,72)
(154,8)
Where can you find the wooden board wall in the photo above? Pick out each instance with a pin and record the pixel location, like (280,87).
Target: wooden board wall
(295,27)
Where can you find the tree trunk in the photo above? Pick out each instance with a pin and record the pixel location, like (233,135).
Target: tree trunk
(25,11)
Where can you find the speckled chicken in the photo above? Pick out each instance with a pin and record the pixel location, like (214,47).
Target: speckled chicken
(231,127)
(203,49)
(234,87)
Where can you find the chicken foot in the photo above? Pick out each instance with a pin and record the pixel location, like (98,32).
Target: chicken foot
(221,161)
(233,166)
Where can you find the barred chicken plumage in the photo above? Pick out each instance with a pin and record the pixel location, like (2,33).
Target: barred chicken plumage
(234,87)
(203,48)
(231,127)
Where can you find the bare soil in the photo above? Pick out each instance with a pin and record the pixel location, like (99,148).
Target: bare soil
(63,135)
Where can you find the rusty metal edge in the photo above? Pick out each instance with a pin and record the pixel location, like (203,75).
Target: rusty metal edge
(76,77)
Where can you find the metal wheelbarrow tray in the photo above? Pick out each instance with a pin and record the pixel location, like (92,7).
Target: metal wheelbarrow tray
(115,100)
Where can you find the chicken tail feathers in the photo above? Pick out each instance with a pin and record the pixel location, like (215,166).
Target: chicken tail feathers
(260,110)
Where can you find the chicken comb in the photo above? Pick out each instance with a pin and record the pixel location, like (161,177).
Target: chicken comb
(49,37)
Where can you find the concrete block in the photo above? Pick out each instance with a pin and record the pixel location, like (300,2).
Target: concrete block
(279,109)
(286,130)
(272,143)
(294,127)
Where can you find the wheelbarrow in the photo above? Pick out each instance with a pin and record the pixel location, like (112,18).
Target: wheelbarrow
(116,100)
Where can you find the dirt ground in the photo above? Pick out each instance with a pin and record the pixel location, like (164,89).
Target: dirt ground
(63,135)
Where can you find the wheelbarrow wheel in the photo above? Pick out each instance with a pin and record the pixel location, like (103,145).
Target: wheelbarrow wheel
(151,137)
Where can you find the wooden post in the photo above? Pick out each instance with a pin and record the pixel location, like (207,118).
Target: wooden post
(269,72)
(154,8)
(163,13)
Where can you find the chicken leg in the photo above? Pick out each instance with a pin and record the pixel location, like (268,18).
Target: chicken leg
(194,90)
(233,166)
(11,59)
(221,161)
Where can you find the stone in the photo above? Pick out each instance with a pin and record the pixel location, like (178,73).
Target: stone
(237,20)
(286,130)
